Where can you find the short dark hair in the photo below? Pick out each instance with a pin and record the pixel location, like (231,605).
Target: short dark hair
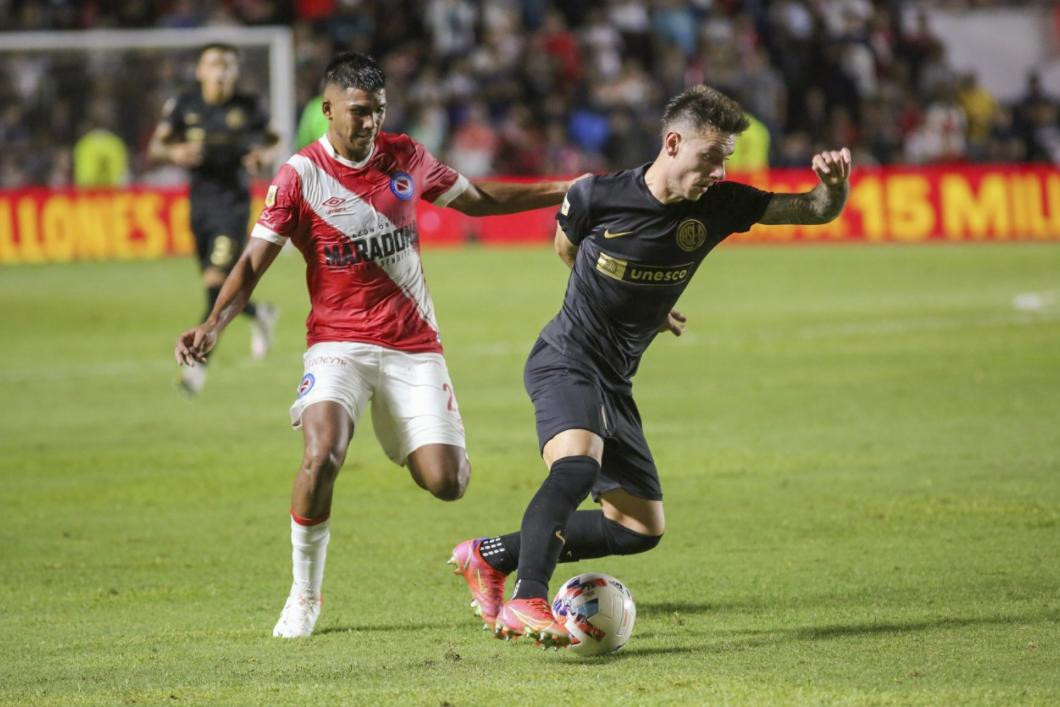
(353,70)
(703,107)
(219,46)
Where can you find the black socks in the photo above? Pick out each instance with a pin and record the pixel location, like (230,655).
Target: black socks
(544,528)
(589,535)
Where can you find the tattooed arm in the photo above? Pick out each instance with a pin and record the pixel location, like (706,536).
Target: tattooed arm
(822,203)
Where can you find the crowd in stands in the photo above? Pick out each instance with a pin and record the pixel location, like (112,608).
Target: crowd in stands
(538,86)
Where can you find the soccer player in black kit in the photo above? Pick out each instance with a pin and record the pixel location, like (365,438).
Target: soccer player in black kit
(633,239)
(221,136)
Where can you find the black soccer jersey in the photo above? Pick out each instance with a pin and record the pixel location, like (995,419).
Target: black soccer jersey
(635,257)
(228,130)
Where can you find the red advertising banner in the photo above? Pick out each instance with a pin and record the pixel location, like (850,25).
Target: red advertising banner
(892,205)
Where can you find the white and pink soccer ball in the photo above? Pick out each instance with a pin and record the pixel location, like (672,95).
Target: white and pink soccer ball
(597,611)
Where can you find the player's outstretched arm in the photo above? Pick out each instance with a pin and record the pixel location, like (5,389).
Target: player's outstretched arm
(194,344)
(822,203)
(493,198)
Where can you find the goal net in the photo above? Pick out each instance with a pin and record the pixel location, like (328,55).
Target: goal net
(59,88)
(59,85)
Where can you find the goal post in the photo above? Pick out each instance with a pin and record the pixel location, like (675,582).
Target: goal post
(276,40)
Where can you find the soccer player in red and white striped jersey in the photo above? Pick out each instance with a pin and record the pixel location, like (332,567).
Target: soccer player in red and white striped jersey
(348,203)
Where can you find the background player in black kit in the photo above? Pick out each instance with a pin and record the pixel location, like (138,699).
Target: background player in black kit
(633,239)
(221,136)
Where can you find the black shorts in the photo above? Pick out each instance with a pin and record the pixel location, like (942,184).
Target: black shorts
(220,234)
(569,395)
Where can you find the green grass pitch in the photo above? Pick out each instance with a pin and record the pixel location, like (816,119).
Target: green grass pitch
(859,446)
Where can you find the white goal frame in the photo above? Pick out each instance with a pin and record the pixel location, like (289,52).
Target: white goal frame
(278,40)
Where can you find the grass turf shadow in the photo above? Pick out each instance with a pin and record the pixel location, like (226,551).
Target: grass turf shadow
(384,628)
(873,628)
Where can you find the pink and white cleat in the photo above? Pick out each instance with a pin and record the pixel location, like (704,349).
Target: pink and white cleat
(534,619)
(485,583)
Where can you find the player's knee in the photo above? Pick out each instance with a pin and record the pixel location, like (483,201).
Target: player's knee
(624,541)
(574,476)
(449,482)
(322,462)
(213,277)
(447,490)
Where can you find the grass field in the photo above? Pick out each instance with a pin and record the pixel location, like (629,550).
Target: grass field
(860,449)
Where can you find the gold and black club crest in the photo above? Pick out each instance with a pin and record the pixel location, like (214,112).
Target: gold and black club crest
(235,118)
(691,234)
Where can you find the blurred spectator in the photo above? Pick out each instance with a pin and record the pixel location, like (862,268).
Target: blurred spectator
(940,137)
(589,128)
(543,85)
(430,126)
(561,46)
(313,123)
(100,158)
(603,44)
(1005,143)
(520,148)
(632,88)
(1036,122)
(795,150)
(625,145)
(675,24)
(762,90)
(918,42)
(474,144)
(881,136)
(452,26)
(979,108)
(752,148)
(182,14)
(633,22)
(561,156)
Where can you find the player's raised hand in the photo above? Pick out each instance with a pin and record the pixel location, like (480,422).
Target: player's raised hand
(832,166)
(194,344)
(674,323)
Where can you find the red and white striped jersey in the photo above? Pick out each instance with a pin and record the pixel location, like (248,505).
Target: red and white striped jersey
(355,223)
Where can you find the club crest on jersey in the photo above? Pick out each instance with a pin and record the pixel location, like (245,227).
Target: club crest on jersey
(402,186)
(235,119)
(306,385)
(691,234)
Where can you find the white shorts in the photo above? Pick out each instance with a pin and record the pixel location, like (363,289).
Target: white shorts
(412,398)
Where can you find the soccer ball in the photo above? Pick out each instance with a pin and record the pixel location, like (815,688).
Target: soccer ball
(598,612)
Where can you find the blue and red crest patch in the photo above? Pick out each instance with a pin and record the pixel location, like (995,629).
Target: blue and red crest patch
(402,185)
(307,384)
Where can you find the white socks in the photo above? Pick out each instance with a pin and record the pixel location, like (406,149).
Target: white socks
(309,550)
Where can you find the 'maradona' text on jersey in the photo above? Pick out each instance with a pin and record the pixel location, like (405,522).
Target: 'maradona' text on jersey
(355,224)
(635,257)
